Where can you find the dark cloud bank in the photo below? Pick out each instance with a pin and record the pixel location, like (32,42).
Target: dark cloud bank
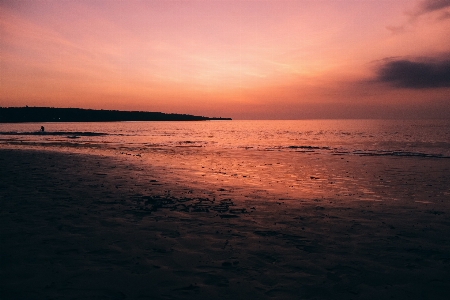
(415,74)
(433,5)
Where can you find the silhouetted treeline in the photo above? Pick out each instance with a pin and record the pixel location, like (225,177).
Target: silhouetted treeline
(50,114)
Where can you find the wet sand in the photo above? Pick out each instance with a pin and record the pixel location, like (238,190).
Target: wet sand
(79,226)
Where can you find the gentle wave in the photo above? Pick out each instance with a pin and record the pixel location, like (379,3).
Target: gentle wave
(399,153)
(340,151)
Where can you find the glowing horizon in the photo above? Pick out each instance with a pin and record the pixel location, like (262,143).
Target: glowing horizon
(239,59)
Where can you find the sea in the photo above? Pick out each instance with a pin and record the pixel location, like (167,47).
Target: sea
(347,160)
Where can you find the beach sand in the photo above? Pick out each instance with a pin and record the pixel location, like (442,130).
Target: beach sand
(78,226)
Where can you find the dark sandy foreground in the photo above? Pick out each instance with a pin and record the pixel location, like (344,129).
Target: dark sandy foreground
(91,227)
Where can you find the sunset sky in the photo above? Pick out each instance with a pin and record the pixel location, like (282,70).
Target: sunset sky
(245,59)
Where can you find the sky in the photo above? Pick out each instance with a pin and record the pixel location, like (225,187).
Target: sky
(244,59)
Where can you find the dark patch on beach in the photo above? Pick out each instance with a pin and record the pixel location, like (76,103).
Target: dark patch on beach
(190,287)
(225,208)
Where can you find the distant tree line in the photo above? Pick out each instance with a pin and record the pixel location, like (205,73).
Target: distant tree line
(51,114)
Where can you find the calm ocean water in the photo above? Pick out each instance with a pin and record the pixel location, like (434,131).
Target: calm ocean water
(425,138)
(346,159)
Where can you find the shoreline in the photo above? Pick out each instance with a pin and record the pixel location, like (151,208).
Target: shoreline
(91,226)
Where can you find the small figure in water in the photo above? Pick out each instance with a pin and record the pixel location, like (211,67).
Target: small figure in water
(42,128)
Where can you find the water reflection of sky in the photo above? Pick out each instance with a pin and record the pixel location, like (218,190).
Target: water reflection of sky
(337,137)
(348,160)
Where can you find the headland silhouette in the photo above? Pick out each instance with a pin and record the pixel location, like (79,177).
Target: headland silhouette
(52,114)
